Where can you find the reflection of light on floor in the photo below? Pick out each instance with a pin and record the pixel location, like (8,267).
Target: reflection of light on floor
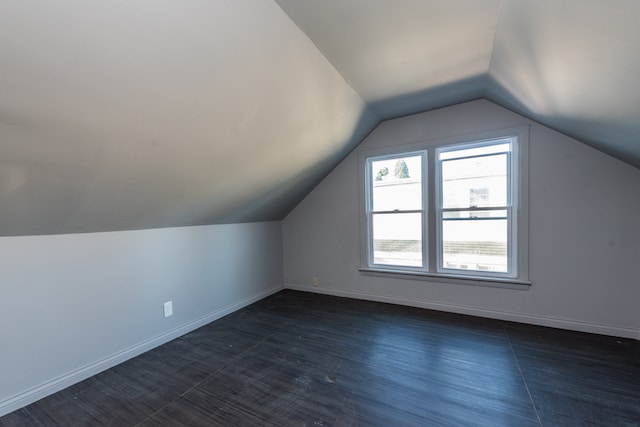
(458,370)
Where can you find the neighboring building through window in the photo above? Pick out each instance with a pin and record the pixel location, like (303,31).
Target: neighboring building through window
(463,223)
(474,210)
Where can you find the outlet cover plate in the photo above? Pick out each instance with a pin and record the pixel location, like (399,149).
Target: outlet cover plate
(168,308)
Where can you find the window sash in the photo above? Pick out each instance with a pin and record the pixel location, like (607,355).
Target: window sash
(474,255)
(402,249)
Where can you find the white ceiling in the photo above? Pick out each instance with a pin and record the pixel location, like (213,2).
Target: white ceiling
(404,56)
(571,64)
(124,115)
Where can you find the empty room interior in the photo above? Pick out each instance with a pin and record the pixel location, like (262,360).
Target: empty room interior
(336,212)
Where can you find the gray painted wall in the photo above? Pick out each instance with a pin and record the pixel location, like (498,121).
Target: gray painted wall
(584,236)
(73,305)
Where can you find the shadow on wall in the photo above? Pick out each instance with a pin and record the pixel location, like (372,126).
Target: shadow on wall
(431,98)
(275,202)
(587,130)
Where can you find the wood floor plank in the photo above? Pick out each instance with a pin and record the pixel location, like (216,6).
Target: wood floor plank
(579,378)
(305,359)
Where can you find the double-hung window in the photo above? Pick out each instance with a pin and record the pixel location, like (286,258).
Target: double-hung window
(452,210)
(397,213)
(474,209)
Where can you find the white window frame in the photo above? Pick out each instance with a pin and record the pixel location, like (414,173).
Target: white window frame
(370,212)
(518,237)
(512,202)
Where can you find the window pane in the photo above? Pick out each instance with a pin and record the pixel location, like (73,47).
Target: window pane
(397,239)
(479,245)
(475,182)
(475,151)
(397,184)
(454,215)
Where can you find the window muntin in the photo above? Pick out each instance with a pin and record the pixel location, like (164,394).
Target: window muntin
(467,223)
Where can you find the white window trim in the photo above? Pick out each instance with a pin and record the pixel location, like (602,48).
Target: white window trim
(423,211)
(512,204)
(520,214)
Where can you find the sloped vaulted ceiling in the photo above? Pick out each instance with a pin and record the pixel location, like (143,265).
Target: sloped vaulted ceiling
(573,65)
(126,114)
(155,113)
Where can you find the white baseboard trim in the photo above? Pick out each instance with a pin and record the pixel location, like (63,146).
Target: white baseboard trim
(45,389)
(572,325)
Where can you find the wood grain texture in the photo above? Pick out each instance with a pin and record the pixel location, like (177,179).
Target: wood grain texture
(297,359)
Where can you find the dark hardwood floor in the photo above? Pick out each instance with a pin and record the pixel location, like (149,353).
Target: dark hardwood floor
(300,359)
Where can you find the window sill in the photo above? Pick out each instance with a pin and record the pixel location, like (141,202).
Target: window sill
(494,282)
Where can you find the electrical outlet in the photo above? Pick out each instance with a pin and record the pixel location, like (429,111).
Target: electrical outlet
(168,308)
(314,282)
